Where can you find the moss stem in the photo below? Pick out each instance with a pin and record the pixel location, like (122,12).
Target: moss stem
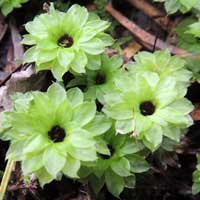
(6,177)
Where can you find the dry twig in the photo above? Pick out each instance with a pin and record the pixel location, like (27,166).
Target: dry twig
(196,112)
(146,38)
(132,48)
(159,17)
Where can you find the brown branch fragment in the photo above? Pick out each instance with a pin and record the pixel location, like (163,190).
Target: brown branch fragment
(132,48)
(146,38)
(196,112)
(159,17)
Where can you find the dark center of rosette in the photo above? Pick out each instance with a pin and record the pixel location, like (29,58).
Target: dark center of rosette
(147,108)
(112,151)
(57,134)
(100,78)
(65,41)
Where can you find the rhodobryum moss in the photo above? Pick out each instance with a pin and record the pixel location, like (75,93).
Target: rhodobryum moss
(149,107)
(194,29)
(162,63)
(189,42)
(52,133)
(185,39)
(184,6)
(116,170)
(65,41)
(8,5)
(99,80)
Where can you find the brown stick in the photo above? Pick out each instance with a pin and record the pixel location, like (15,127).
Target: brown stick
(196,112)
(132,48)
(145,37)
(159,17)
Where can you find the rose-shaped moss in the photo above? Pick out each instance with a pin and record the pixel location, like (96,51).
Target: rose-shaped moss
(149,107)
(65,41)
(8,5)
(52,133)
(99,78)
(184,6)
(162,63)
(194,29)
(116,169)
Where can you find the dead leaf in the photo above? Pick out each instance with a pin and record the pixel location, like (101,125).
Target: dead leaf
(23,81)
(3,27)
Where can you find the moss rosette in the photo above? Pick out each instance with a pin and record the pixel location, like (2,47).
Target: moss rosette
(162,63)
(65,41)
(148,107)
(183,6)
(53,132)
(100,76)
(194,29)
(116,168)
(101,81)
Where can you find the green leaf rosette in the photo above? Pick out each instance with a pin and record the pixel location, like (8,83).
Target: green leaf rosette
(7,6)
(65,41)
(52,133)
(99,78)
(149,107)
(162,63)
(183,6)
(194,29)
(116,168)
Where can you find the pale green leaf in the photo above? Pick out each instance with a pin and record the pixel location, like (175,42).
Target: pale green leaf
(99,125)
(77,15)
(75,96)
(30,55)
(79,141)
(53,161)
(130,146)
(138,164)
(65,57)
(32,164)
(120,111)
(44,177)
(124,126)
(121,167)
(84,113)
(130,181)
(71,167)
(79,62)
(94,62)
(154,136)
(94,46)
(86,154)
(114,183)
(36,144)
(56,94)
